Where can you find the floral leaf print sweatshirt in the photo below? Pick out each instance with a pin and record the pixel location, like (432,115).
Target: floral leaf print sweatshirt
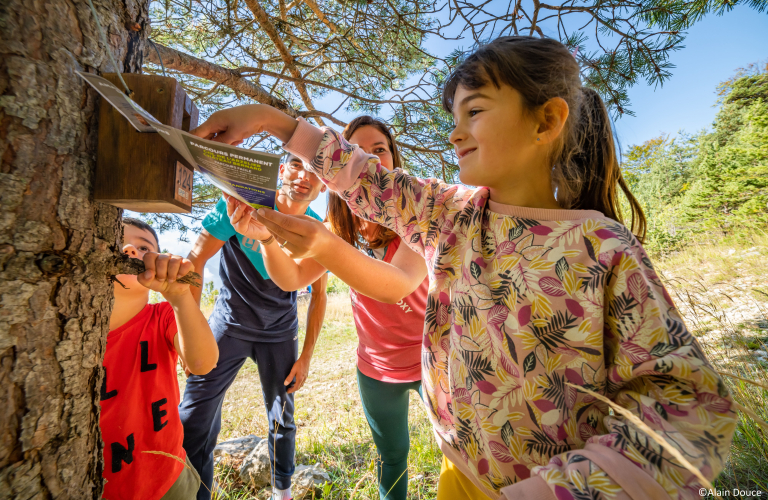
(524,304)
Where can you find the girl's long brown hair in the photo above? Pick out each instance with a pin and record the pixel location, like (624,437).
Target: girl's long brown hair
(343,222)
(586,174)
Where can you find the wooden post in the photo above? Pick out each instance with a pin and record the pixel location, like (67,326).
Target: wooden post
(141,171)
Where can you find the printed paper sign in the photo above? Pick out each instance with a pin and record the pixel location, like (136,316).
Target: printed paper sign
(250,176)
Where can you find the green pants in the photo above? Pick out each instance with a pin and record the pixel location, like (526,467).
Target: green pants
(386,408)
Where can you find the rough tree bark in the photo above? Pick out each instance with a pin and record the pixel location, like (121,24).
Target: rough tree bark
(56,243)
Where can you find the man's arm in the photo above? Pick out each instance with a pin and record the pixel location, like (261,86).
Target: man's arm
(205,247)
(315,315)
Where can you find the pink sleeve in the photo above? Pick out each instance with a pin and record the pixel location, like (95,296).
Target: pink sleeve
(657,370)
(416,209)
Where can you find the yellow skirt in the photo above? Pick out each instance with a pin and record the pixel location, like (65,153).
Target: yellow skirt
(453,484)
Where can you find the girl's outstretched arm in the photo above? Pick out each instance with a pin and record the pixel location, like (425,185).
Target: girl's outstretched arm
(416,209)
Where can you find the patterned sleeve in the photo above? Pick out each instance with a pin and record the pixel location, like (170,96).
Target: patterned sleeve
(416,209)
(657,370)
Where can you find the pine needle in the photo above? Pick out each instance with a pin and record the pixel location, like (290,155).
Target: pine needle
(652,434)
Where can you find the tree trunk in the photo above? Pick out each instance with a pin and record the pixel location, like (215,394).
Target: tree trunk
(56,243)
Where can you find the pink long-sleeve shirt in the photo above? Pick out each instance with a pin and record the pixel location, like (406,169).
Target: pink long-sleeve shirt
(525,304)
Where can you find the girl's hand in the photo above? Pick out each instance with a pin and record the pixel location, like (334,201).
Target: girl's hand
(235,125)
(162,270)
(300,236)
(241,218)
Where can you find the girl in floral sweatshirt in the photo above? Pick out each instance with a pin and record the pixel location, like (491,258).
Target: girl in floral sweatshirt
(536,289)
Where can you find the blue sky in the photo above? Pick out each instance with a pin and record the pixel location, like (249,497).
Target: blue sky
(714,49)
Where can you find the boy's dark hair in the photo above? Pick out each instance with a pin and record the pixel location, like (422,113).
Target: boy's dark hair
(343,223)
(130,221)
(586,171)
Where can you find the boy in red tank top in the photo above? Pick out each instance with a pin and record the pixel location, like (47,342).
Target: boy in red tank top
(139,418)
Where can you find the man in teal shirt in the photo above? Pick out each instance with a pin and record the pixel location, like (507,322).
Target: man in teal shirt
(253,318)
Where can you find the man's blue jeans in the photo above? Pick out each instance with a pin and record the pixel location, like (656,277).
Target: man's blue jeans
(200,410)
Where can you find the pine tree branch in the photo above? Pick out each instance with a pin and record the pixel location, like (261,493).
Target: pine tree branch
(231,78)
(263,19)
(191,65)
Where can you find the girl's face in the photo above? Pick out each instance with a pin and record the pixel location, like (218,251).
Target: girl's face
(494,139)
(372,141)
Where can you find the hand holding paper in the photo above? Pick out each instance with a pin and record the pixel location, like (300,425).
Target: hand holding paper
(250,176)
(304,237)
(241,216)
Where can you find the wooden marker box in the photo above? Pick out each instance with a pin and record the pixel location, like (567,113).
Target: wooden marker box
(141,171)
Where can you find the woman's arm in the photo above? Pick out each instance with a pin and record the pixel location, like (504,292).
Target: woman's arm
(310,240)
(287,273)
(292,267)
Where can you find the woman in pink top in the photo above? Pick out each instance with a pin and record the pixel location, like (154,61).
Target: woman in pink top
(390,339)
(390,334)
(389,320)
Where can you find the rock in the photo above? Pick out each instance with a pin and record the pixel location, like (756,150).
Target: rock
(308,479)
(256,469)
(237,448)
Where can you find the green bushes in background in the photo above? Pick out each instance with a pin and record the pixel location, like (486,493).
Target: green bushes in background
(335,285)
(711,184)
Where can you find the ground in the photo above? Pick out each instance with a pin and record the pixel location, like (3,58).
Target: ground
(721,289)
(332,429)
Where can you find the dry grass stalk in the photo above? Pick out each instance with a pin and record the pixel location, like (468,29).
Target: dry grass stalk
(357,486)
(751,415)
(183,462)
(652,434)
(758,384)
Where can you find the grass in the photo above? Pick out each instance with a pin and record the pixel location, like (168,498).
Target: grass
(721,288)
(331,426)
